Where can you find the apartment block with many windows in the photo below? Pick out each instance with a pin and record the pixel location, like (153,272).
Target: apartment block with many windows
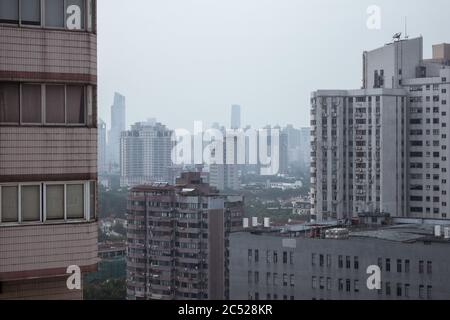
(383,148)
(48,146)
(178,240)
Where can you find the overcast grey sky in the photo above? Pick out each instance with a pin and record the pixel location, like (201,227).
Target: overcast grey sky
(186,60)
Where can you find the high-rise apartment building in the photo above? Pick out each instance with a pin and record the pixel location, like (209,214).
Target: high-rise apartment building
(145,154)
(102,156)
(225,175)
(178,240)
(118,125)
(383,148)
(235,117)
(48,146)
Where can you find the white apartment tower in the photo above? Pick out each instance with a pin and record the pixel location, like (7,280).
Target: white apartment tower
(383,148)
(145,154)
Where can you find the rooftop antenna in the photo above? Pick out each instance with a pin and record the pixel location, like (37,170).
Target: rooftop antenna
(406,28)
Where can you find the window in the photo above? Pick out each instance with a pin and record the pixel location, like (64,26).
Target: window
(429,292)
(341,285)
(75,105)
(407,286)
(341,262)
(399,266)
(256,255)
(31,12)
(92,200)
(399,289)
(9,211)
(54,13)
(388,288)
(30,203)
(348,285)
(421,292)
(429,267)
(329,284)
(54,195)
(321,260)
(75,201)
(328,260)
(9,11)
(407,266)
(314,282)
(356,263)
(292,280)
(9,102)
(71,24)
(55,104)
(388,265)
(256,277)
(421,267)
(285,257)
(31,104)
(268,277)
(347,262)
(356,286)
(285,280)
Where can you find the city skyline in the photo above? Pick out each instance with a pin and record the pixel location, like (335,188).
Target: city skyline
(262,55)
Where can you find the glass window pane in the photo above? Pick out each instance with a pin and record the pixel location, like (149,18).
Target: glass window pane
(93,197)
(9,11)
(74,14)
(30,203)
(31,103)
(31,12)
(54,109)
(75,105)
(54,201)
(54,13)
(9,204)
(9,103)
(75,201)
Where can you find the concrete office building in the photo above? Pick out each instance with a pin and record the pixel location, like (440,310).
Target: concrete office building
(48,146)
(102,156)
(383,148)
(118,125)
(145,154)
(296,263)
(178,240)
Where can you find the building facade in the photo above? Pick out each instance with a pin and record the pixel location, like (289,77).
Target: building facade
(383,148)
(178,240)
(48,146)
(118,125)
(235,117)
(294,265)
(145,154)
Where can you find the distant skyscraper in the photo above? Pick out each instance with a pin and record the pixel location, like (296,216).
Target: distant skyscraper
(225,175)
(118,125)
(235,117)
(145,153)
(102,163)
(178,240)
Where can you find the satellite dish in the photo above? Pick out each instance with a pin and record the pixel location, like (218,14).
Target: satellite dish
(397,36)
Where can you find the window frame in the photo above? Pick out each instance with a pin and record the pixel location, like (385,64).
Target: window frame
(43,205)
(89,13)
(88,110)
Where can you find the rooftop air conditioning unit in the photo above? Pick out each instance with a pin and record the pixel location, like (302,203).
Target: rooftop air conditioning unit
(437,231)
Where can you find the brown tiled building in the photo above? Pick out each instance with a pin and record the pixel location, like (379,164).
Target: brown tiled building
(178,240)
(48,145)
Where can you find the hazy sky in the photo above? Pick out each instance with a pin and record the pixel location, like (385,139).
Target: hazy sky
(186,60)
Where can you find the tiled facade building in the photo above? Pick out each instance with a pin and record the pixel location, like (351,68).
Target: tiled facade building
(178,240)
(48,145)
